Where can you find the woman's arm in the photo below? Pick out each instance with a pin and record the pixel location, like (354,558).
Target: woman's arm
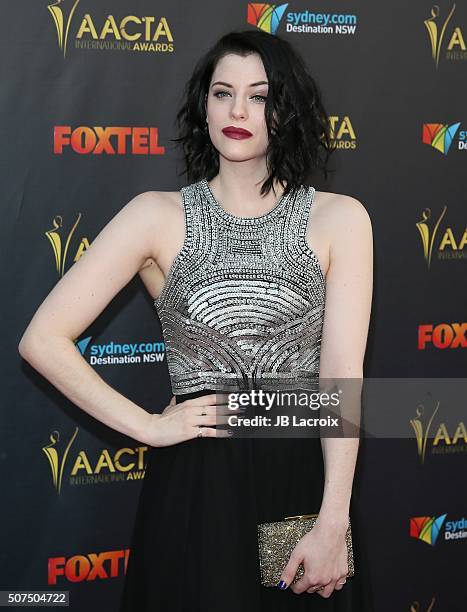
(114,257)
(349,287)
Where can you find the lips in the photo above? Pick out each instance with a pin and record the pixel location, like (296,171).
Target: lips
(238,133)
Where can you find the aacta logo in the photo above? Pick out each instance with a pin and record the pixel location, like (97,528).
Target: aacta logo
(417,607)
(426,528)
(60,243)
(450,244)
(122,465)
(109,141)
(104,565)
(444,30)
(62,14)
(342,132)
(446,440)
(130,33)
(442,336)
(440,136)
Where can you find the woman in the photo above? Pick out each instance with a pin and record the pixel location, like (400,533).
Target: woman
(246,303)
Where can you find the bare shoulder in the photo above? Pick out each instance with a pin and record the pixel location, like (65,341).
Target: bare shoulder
(337,213)
(156,209)
(164,220)
(167,206)
(158,204)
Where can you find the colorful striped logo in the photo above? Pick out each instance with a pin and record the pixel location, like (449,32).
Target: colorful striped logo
(426,528)
(265,16)
(439,135)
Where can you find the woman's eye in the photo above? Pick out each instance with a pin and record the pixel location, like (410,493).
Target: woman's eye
(219,94)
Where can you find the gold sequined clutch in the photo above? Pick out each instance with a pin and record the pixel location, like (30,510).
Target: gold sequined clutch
(277,540)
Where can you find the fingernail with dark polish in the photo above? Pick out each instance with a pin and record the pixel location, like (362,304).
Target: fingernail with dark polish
(282,585)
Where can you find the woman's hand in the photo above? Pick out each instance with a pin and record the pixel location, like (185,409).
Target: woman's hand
(323,553)
(180,422)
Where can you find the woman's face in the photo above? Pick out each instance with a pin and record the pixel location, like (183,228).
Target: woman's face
(236,99)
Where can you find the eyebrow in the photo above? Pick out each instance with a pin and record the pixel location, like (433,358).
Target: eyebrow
(228,84)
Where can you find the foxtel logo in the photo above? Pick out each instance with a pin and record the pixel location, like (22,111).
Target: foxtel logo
(109,140)
(443,335)
(109,564)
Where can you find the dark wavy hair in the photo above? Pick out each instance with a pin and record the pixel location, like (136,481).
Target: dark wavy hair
(299,136)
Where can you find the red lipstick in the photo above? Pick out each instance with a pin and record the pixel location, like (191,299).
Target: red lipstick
(236,133)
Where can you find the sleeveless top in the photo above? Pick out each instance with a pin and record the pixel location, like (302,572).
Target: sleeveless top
(243,303)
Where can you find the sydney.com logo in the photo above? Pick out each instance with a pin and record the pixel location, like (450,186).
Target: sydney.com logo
(441,136)
(428,528)
(115,353)
(267,17)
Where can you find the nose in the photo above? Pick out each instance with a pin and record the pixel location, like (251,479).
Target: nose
(238,110)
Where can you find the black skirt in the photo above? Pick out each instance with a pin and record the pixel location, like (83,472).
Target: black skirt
(194,544)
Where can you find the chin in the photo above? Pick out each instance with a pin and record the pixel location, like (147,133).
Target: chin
(237,151)
(238,157)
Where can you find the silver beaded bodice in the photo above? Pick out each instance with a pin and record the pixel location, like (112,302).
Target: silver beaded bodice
(243,303)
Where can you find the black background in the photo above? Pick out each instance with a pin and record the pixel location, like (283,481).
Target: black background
(384,79)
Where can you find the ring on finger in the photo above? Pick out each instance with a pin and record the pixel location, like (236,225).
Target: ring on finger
(200,433)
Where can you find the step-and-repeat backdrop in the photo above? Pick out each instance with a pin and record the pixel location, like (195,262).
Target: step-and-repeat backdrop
(89,93)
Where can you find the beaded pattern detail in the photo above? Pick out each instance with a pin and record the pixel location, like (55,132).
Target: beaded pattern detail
(276,542)
(243,302)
